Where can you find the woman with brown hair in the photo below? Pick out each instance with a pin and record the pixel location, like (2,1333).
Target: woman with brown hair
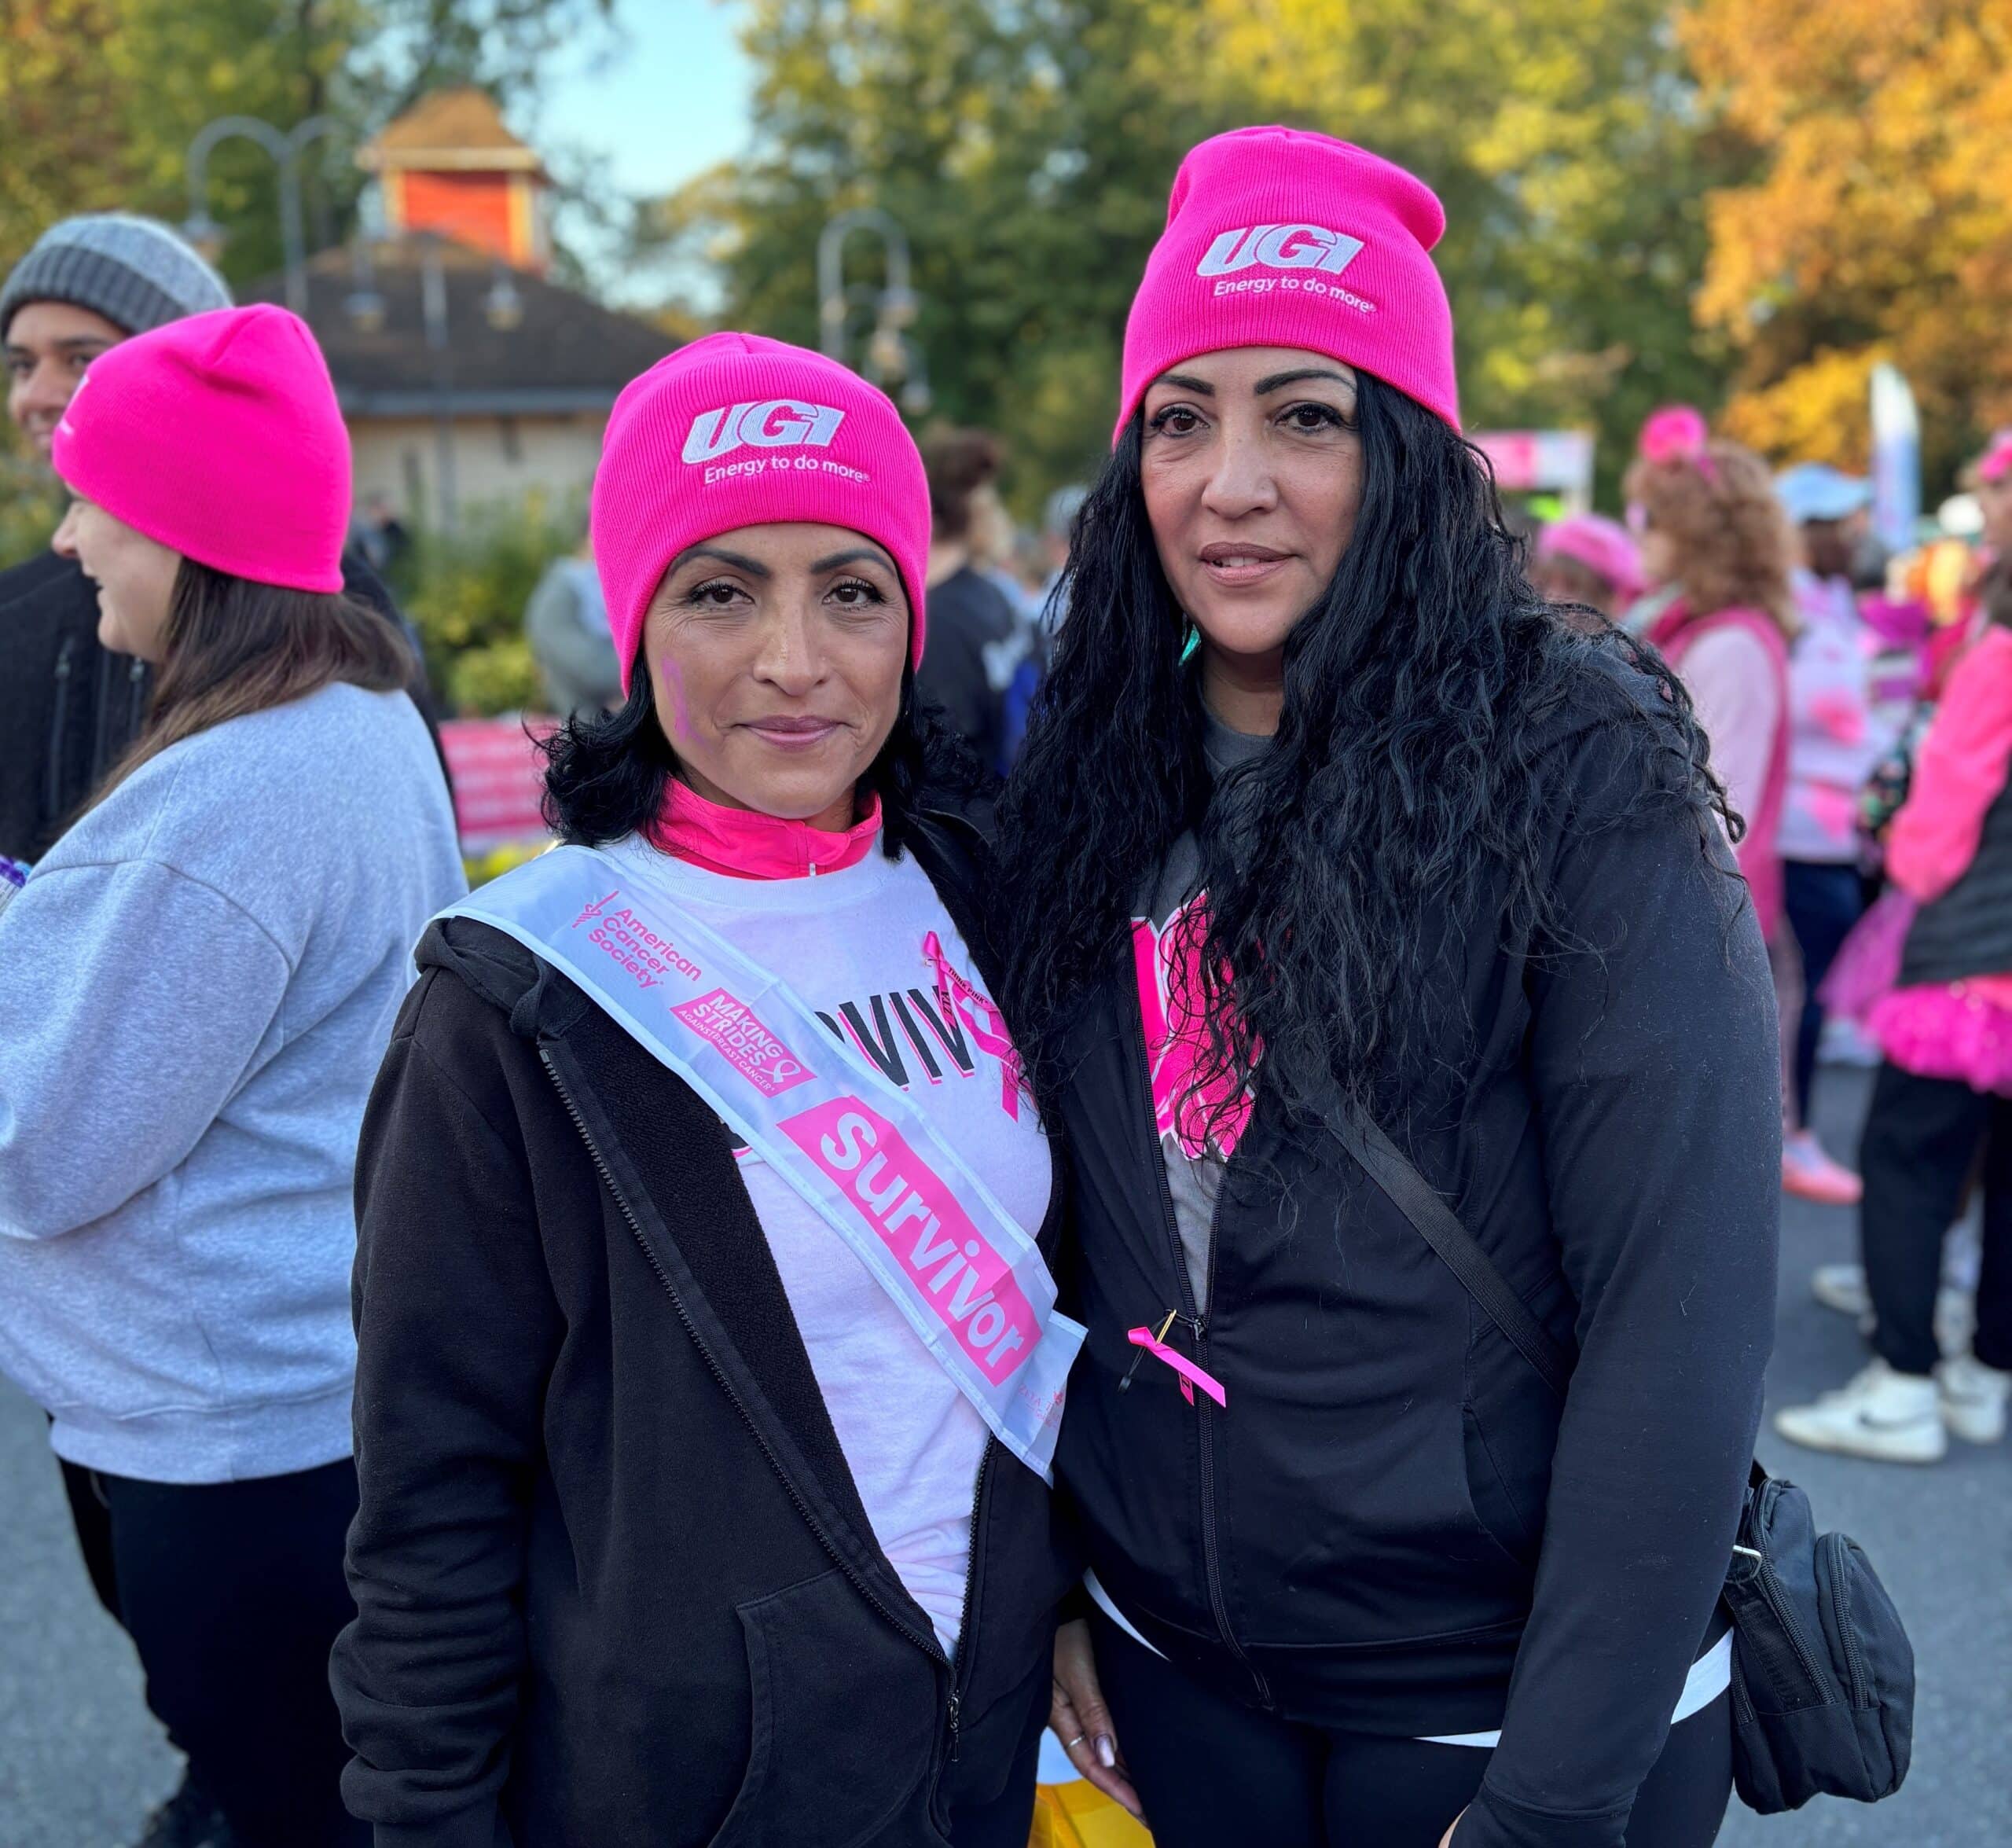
(197,982)
(1713,532)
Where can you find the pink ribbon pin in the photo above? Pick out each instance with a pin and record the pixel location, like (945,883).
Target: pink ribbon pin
(1191,1375)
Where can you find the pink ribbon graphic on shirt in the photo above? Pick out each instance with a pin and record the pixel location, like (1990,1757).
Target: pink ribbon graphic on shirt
(986,1025)
(1191,1375)
(1167,964)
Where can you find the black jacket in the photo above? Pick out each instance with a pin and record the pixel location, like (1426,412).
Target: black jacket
(69,707)
(968,615)
(1389,1518)
(1968,931)
(614,1582)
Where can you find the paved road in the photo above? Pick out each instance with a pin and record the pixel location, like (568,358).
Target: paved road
(81,1761)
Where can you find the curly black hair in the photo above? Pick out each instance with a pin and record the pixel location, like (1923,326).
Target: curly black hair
(1403,801)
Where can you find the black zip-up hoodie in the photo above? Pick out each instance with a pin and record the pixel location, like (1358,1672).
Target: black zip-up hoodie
(614,1584)
(1390,1527)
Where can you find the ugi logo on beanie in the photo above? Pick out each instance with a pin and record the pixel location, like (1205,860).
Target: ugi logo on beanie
(781,423)
(1280,247)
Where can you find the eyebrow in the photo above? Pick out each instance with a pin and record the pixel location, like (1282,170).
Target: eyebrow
(1188,382)
(1274,380)
(872,554)
(74,344)
(753,567)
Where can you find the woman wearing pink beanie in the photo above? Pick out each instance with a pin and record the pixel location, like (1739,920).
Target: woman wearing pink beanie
(198,980)
(709,1370)
(1334,860)
(1589,559)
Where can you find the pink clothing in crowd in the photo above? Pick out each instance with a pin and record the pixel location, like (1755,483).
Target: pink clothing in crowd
(1955,1029)
(1836,734)
(1736,664)
(1602,545)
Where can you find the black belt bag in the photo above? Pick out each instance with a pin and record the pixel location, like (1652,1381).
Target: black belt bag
(1822,1672)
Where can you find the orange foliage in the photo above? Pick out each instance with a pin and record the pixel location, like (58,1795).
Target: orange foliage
(1880,225)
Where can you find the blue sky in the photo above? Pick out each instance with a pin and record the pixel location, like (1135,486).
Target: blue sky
(669,99)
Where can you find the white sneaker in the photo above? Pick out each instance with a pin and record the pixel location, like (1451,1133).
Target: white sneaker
(1886,1416)
(1955,1319)
(1841,1287)
(1973,1399)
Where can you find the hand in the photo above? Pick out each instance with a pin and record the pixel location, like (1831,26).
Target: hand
(1078,1716)
(1446,1840)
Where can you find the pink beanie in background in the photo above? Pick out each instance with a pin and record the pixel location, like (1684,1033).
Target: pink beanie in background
(1601,545)
(220,437)
(1282,238)
(735,430)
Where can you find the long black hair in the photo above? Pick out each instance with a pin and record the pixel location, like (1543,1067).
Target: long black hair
(605,773)
(1403,801)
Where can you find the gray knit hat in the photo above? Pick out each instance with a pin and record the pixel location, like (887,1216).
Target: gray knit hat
(135,272)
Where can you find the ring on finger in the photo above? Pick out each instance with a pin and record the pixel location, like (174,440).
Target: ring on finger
(1078,1740)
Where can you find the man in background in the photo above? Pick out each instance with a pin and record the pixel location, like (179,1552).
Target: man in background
(566,622)
(969,617)
(68,706)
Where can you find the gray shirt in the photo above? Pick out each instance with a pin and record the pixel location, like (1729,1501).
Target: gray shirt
(1195,1164)
(196,986)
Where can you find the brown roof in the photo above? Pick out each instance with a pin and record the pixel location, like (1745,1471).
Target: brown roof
(449,128)
(566,354)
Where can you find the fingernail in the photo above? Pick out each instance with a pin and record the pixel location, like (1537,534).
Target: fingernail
(1106,1752)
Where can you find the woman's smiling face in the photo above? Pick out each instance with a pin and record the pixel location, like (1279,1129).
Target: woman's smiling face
(775,655)
(1252,470)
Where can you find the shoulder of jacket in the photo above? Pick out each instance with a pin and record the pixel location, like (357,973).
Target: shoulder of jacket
(501,976)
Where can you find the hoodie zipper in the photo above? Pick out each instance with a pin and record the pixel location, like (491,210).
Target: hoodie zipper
(59,730)
(1198,1326)
(927,1643)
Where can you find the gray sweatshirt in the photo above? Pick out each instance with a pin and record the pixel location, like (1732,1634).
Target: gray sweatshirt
(197,985)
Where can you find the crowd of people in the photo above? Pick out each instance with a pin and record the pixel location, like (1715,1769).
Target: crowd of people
(1877,872)
(1251,1245)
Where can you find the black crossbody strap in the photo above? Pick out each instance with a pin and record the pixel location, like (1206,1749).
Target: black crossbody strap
(1440,1227)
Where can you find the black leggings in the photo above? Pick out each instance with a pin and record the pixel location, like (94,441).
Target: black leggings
(1920,1147)
(233,1593)
(1209,1771)
(1822,903)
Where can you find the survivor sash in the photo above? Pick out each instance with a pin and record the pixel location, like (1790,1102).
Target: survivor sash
(969,1280)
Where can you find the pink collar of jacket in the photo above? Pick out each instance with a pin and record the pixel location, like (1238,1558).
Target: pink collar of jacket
(745,845)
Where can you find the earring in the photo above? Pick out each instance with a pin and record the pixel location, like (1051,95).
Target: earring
(1191,641)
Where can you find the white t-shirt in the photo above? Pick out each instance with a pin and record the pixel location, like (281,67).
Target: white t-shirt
(849,944)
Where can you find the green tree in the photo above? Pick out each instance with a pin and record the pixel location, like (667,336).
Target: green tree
(1027,146)
(1021,148)
(101,98)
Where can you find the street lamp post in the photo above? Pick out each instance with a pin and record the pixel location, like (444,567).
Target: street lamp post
(285,148)
(890,354)
(501,307)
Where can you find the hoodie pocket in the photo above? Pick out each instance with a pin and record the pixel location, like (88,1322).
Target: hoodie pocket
(844,1721)
(1495,1509)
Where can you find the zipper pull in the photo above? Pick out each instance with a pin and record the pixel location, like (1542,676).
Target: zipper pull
(957,1723)
(1173,1316)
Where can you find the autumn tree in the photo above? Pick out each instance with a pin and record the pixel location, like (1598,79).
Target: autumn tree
(1880,224)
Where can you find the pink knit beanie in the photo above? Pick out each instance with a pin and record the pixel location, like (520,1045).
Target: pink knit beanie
(735,430)
(219,436)
(1601,545)
(1281,237)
